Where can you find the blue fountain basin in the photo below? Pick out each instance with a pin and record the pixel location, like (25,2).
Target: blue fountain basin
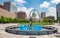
(30,28)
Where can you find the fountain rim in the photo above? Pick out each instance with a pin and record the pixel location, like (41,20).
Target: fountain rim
(9,30)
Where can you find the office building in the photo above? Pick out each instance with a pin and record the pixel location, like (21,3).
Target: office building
(21,15)
(43,15)
(10,7)
(58,10)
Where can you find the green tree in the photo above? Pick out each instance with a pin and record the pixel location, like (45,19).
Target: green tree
(49,20)
(14,20)
(3,19)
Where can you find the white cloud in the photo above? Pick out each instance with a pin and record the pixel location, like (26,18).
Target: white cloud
(21,8)
(25,10)
(20,1)
(45,4)
(52,12)
(55,1)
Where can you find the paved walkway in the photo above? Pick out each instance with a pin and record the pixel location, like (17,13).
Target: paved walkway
(4,34)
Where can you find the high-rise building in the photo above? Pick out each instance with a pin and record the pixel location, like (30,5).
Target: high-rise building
(58,10)
(43,15)
(21,15)
(10,7)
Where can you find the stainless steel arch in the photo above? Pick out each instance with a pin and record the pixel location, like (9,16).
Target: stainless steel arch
(34,11)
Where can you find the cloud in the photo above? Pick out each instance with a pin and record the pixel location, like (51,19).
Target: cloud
(20,1)
(52,12)
(45,4)
(55,1)
(21,8)
(25,10)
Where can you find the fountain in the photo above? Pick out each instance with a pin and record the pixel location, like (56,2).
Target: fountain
(30,29)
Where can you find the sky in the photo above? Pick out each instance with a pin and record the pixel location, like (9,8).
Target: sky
(48,6)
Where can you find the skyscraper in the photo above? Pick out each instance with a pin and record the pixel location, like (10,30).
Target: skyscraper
(58,10)
(43,15)
(10,7)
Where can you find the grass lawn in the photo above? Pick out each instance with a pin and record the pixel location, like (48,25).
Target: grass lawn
(39,23)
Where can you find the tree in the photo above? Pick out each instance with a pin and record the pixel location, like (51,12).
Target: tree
(3,19)
(14,20)
(48,20)
(58,19)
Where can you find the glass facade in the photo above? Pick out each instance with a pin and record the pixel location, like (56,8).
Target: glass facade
(10,7)
(13,8)
(58,10)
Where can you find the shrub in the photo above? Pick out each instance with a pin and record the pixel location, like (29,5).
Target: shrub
(48,20)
